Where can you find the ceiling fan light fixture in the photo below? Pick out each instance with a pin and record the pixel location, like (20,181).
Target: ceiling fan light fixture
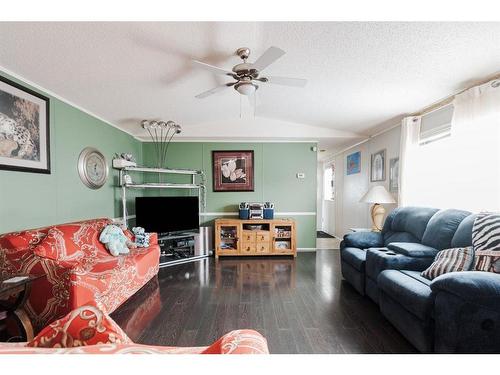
(246,88)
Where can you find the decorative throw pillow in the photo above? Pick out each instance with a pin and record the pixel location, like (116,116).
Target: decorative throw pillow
(450,260)
(486,242)
(84,326)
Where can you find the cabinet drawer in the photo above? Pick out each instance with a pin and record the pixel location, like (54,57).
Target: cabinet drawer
(262,236)
(262,247)
(249,236)
(248,247)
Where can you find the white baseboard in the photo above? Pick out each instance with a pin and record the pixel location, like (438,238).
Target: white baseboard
(306,249)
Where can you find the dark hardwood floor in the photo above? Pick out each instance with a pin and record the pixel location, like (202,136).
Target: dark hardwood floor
(300,306)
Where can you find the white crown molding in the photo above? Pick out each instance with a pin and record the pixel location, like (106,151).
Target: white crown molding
(58,97)
(225,140)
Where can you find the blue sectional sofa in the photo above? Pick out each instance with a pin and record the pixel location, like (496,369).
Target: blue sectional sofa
(456,312)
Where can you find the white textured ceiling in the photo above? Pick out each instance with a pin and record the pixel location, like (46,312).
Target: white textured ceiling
(360,74)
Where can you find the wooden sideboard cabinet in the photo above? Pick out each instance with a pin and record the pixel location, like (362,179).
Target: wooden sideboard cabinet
(255,237)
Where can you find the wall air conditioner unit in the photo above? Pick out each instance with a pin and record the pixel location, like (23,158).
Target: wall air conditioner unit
(436,125)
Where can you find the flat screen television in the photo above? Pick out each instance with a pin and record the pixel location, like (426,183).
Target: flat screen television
(167,215)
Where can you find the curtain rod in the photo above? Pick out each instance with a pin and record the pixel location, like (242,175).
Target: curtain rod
(449,99)
(431,108)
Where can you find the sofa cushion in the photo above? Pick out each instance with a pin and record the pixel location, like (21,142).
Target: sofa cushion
(412,220)
(486,232)
(242,341)
(414,250)
(86,325)
(399,237)
(362,240)
(410,290)
(378,260)
(463,234)
(71,244)
(441,228)
(355,257)
(486,242)
(450,260)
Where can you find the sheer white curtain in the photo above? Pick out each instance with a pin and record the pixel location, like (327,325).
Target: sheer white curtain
(460,171)
(475,134)
(410,130)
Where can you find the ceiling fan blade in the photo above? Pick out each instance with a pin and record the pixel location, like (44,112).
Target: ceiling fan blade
(271,55)
(286,81)
(214,90)
(211,68)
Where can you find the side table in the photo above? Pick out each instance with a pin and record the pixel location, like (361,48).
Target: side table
(14,291)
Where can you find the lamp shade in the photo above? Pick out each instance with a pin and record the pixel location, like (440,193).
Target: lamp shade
(377,194)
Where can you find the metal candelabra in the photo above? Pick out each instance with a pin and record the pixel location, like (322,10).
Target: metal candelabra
(161,133)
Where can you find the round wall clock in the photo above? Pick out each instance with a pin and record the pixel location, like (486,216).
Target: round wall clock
(92,168)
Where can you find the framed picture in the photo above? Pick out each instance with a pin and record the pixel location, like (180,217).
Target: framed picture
(353,163)
(377,171)
(394,175)
(24,129)
(233,170)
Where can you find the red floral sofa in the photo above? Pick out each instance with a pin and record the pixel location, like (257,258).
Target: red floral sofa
(77,267)
(87,330)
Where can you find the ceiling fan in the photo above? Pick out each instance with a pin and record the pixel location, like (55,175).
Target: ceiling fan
(247,75)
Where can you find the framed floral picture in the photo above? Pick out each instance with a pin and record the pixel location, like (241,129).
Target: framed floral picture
(24,129)
(233,170)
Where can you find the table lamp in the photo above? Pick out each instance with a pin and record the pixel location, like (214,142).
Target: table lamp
(377,195)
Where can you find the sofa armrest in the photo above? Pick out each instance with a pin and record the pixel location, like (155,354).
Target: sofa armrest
(414,250)
(153,239)
(482,288)
(243,341)
(362,240)
(467,312)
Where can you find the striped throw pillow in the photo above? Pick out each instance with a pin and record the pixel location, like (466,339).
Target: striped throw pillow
(450,260)
(486,242)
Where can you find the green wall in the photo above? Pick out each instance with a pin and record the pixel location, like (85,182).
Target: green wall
(30,200)
(276,165)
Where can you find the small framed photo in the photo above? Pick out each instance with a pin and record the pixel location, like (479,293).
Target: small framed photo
(394,175)
(377,170)
(353,163)
(233,170)
(24,129)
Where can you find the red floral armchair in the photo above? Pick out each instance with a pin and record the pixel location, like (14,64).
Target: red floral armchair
(87,330)
(78,269)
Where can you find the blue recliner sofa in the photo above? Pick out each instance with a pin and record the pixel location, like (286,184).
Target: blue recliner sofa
(456,312)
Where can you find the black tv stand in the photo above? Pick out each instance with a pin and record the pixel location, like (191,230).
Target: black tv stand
(174,235)
(178,248)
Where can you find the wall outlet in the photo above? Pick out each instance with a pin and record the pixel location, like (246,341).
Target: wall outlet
(301,175)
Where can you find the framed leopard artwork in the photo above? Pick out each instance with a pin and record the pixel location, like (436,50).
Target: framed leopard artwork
(24,129)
